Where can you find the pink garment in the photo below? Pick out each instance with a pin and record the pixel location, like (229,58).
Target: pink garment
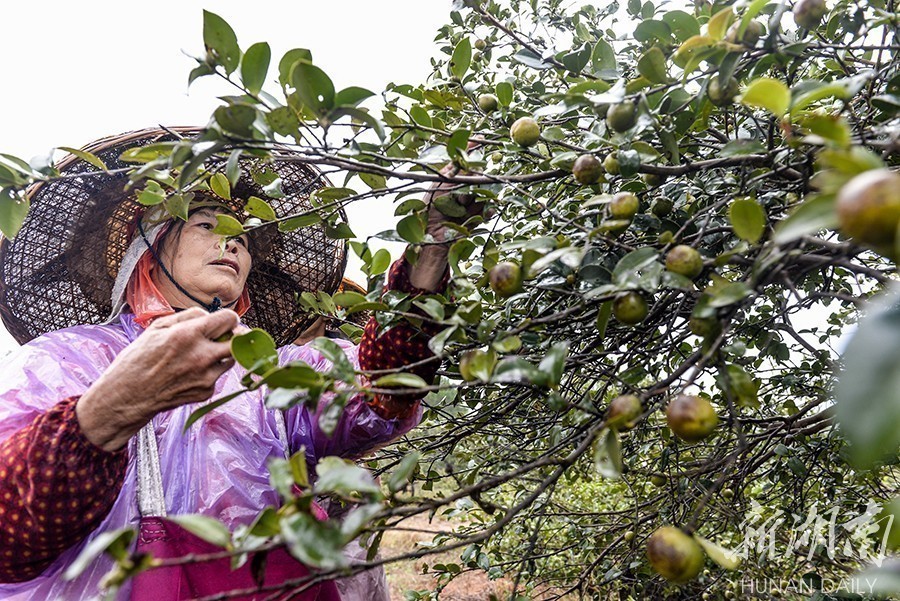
(218,468)
(165,539)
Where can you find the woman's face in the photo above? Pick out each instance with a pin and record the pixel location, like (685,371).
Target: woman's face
(195,259)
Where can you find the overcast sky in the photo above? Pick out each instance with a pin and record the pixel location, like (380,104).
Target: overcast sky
(75,72)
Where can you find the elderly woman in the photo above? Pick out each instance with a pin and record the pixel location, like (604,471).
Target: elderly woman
(92,416)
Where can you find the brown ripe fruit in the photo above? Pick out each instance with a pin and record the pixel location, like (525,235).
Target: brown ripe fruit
(623,205)
(808,13)
(622,117)
(623,412)
(611,164)
(488,103)
(505,279)
(587,169)
(722,96)
(674,555)
(684,260)
(868,208)
(691,418)
(525,132)
(630,308)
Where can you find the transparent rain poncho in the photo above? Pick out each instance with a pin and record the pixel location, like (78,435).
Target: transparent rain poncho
(217,468)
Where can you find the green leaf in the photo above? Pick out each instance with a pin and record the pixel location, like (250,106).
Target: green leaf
(381,260)
(816,213)
(12,213)
(729,294)
(461,58)
(754,9)
(348,298)
(152,194)
(314,543)
(400,380)
(741,147)
(220,185)
(748,219)
(283,121)
(211,530)
(767,93)
(718,24)
(554,362)
(744,388)
(727,559)
(294,223)
(287,62)
(233,167)
(341,368)
(652,65)
(226,225)
(236,119)
(340,231)
(868,391)
(351,96)
(403,473)
(220,41)
(603,58)
(457,142)
(201,70)
(259,208)
(296,375)
(343,477)
(314,87)
(683,25)
(208,407)
(114,542)
(255,66)
(649,30)
(516,369)
(375,181)
(633,263)
(411,229)
(608,455)
(255,351)
(177,205)
(86,156)
(504,91)
(419,115)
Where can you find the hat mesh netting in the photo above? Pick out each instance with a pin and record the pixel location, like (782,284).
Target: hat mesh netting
(60,269)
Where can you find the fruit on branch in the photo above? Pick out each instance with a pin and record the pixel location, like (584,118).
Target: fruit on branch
(622,117)
(691,418)
(662,206)
(505,279)
(722,96)
(674,555)
(623,412)
(684,260)
(628,536)
(808,13)
(868,208)
(727,494)
(653,179)
(658,481)
(611,164)
(488,103)
(497,156)
(754,31)
(480,44)
(630,308)
(706,327)
(623,205)
(525,132)
(587,169)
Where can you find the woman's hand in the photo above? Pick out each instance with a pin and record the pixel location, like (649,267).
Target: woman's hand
(174,362)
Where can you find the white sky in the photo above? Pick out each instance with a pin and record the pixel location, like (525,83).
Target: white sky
(75,72)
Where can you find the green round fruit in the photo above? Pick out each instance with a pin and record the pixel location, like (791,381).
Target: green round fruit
(868,208)
(525,132)
(505,279)
(658,481)
(720,96)
(691,418)
(497,157)
(674,555)
(808,13)
(622,117)
(587,169)
(727,494)
(488,103)
(704,326)
(684,260)
(623,205)
(611,164)
(662,206)
(630,308)
(628,536)
(623,412)
(653,180)
(480,44)
(754,31)
(465,364)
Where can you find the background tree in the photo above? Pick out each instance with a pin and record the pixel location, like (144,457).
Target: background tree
(647,332)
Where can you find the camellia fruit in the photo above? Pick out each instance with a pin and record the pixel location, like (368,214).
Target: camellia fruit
(623,205)
(752,33)
(704,326)
(623,412)
(622,117)
(684,260)
(525,131)
(653,179)
(465,365)
(505,279)
(611,164)
(691,418)
(488,103)
(722,96)
(630,308)
(587,169)
(480,44)
(658,481)
(808,13)
(662,206)
(674,555)
(868,209)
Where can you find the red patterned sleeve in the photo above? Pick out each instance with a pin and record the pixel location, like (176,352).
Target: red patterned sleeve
(55,488)
(402,345)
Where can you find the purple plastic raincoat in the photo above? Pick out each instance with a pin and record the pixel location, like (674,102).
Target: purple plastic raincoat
(218,468)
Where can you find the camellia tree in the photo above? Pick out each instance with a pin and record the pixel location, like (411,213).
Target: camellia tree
(691,205)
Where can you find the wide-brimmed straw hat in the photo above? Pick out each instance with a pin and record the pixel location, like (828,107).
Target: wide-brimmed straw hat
(60,269)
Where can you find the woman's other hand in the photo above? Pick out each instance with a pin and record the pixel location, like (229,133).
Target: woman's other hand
(176,361)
